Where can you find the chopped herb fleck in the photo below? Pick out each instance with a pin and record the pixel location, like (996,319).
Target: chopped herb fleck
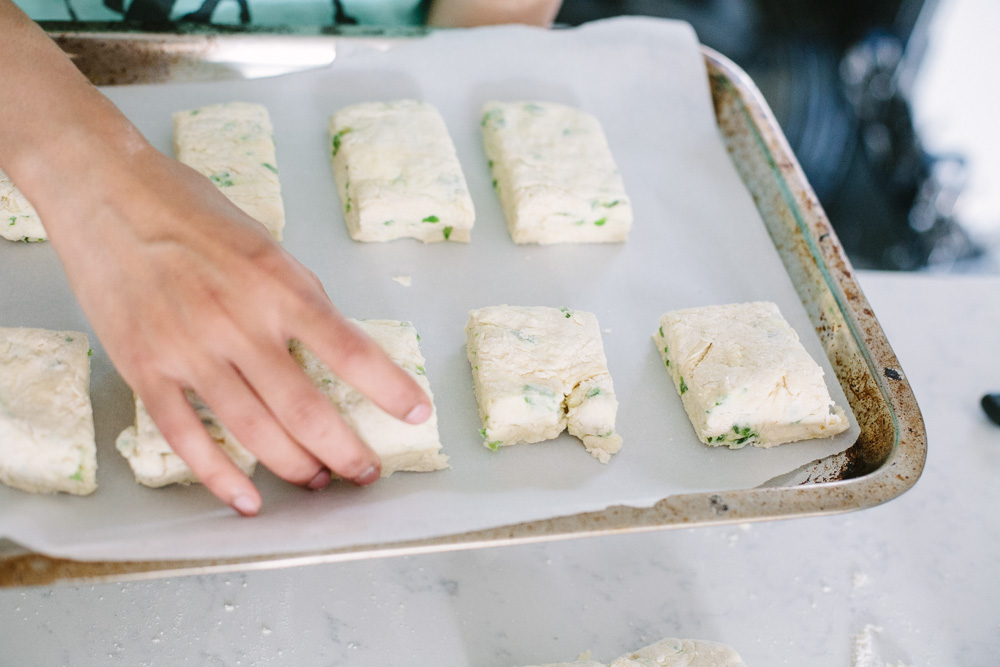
(612,204)
(482,432)
(495,186)
(447,233)
(491,163)
(347,206)
(566,311)
(68,339)
(195,112)
(78,475)
(600,223)
(337,139)
(684,386)
(661,332)
(495,445)
(593,392)
(531,107)
(431,218)
(222,179)
(13,219)
(389,222)
(494,116)
(420,370)
(269,167)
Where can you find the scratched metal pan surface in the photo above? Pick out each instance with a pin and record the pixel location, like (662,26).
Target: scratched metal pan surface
(885,461)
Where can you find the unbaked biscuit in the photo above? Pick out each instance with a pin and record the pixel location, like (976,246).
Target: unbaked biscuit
(401,446)
(398,175)
(744,378)
(46,421)
(538,371)
(18,219)
(233,145)
(554,173)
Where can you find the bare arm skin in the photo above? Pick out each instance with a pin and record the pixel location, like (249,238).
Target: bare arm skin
(467,13)
(184,290)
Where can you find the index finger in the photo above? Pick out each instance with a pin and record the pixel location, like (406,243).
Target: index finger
(359,361)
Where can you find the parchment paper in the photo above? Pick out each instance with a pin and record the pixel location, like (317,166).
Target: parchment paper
(697,240)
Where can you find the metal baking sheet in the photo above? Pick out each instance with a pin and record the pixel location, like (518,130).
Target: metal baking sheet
(614,517)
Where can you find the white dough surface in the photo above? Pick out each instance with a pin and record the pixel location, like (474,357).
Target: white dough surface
(694,226)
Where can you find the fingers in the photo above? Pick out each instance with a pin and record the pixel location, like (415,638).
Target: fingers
(181,427)
(309,417)
(240,409)
(360,362)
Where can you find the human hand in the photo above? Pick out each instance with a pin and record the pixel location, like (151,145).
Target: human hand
(187,292)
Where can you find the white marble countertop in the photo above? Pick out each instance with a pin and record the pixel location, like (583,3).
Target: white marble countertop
(923,567)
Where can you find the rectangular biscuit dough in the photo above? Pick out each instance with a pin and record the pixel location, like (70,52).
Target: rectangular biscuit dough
(669,653)
(744,377)
(398,175)
(554,173)
(401,446)
(155,464)
(18,219)
(538,371)
(233,145)
(46,421)
(682,653)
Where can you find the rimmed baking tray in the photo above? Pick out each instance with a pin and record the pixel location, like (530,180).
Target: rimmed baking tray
(885,461)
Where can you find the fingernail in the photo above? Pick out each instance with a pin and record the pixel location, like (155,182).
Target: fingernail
(368,476)
(246,505)
(320,481)
(418,415)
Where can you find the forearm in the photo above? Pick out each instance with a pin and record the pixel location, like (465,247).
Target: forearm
(467,13)
(59,136)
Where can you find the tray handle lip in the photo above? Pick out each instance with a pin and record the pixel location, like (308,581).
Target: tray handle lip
(907,452)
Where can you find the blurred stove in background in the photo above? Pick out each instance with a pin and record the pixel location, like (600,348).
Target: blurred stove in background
(837,75)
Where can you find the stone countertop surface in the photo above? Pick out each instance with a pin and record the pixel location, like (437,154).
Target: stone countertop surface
(912,582)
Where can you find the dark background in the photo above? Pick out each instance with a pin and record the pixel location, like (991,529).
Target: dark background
(834,73)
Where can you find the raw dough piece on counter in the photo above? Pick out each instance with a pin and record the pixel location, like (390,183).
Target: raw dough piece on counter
(401,446)
(554,173)
(46,421)
(744,377)
(538,371)
(398,175)
(669,653)
(18,219)
(233,145)
(682,653)
(155,464)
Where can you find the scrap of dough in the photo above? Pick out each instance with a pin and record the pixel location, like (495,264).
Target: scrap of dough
(538,371)
(401,446)
(554,173)
(681,653)
(233,145)
(744,378)
(398,175)
(155,464)
(46,421)
(18,219)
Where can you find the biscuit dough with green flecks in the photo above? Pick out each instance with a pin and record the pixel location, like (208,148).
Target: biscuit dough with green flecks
(744,378)
(155,464)
(554,173)
(18,219)
(46,421)
(401,446)
(668,653)
(538,371)
(233,145)
(398,175)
